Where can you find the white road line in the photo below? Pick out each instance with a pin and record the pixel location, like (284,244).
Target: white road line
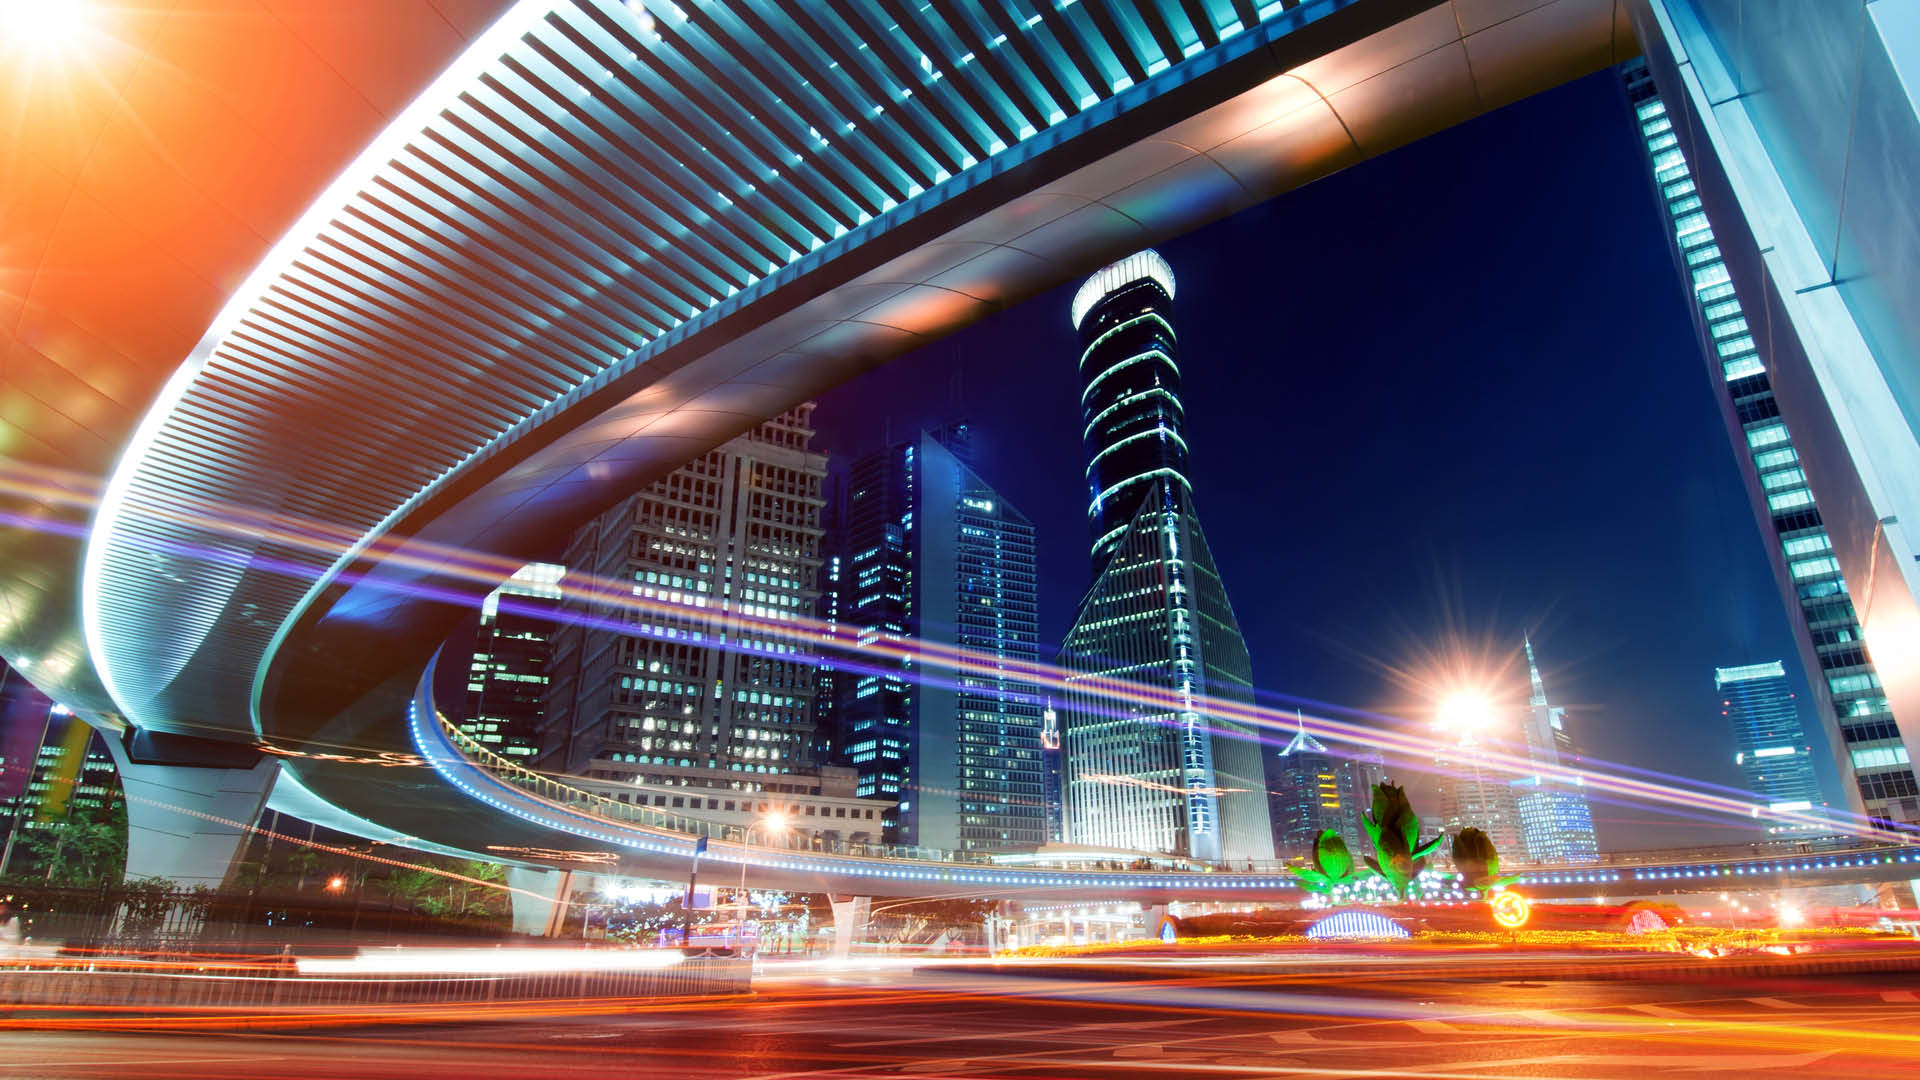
(69,1063)
(1051,1033)
(1899,995)
(1775,1003)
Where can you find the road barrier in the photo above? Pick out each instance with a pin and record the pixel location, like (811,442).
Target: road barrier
(224,983)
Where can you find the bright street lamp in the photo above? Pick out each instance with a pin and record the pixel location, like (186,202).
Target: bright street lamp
(1465,714)
(774,823)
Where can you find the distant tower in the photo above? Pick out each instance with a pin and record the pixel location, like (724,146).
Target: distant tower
(1307,795)
(1770,743)
(507,680)
(1556,821)
(1156,775)
(1473,793)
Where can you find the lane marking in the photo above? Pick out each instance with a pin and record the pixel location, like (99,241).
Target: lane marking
(1899,995)
(69,1063)
(1776,1003)
(1022,1034)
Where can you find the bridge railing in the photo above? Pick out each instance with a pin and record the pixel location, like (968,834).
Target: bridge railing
(550,789)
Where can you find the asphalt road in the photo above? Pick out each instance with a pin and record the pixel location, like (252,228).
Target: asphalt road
(956,1023)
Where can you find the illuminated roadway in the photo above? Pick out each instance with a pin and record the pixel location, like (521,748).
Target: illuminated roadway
(606,238)
(969,1022)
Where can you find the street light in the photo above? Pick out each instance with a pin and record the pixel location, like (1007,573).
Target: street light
(1465,714)
(775,823)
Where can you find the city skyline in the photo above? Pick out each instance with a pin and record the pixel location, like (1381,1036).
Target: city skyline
(1342,636)
(668,536)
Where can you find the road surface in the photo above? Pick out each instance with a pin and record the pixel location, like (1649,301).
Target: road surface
(962,1023)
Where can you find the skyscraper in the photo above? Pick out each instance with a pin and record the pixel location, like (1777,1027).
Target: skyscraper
(1556,821)
(1474,793)
(1770,744)
(53,767)
(507,679)
(726,548)
(1306,796)
(1171,776)
(936,557)
(1847,693)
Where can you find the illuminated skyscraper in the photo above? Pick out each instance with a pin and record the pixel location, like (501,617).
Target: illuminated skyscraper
(1556,821)
(936,557)
(1164,774)
(1770,743)
(1306,796)
(1847,692)
(507,680)
(1474,793)
(699,675)
(53,767)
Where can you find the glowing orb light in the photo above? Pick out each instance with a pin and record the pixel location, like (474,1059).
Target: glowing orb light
(1356,924)
(1510,909)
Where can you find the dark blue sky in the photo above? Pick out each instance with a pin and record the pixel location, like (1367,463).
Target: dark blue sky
(1451,390)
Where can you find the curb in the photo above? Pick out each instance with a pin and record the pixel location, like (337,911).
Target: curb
(1637,967)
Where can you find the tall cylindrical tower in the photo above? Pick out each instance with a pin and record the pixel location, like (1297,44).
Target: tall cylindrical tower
(1131,403)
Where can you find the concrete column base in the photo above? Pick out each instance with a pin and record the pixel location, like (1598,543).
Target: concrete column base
(539,899)
(850,915)
(186,822)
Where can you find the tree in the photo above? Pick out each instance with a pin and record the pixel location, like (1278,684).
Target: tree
(82,850)
(447,897)
(921,921)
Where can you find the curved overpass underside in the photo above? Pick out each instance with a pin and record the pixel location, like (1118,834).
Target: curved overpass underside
(609,238)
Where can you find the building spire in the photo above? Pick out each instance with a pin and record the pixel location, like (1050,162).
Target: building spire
(1302,742)
(1533,673)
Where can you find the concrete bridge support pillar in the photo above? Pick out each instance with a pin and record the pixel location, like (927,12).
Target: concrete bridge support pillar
(189,822)
(540,899)
(850,916)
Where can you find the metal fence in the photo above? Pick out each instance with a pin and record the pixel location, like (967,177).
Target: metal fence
(275,983)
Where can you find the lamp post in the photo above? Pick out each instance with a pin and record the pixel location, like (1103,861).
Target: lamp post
(775,823)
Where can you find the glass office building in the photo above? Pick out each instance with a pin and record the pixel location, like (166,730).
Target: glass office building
(1847,691)
(1306,797)
(937,558)
(1155,768)
(507,679)
(1770,743)
(1556,821)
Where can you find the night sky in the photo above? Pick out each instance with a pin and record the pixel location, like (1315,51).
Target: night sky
(1443,396)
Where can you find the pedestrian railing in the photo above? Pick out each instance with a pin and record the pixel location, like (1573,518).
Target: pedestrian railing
(548,788)
(217,983)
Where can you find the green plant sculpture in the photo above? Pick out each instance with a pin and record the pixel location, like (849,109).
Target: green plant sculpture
(1478,862)
(1398,853)
(1332,865)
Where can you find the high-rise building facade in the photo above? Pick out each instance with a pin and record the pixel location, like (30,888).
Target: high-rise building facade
(937,558)
(507,679)
(53,767)
(1167,774)
(1556,821)
(1475,793)
(1306,796)
(1847,692)
(700,671)
(1770,743)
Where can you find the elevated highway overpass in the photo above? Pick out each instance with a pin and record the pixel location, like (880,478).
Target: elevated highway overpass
(604,238)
